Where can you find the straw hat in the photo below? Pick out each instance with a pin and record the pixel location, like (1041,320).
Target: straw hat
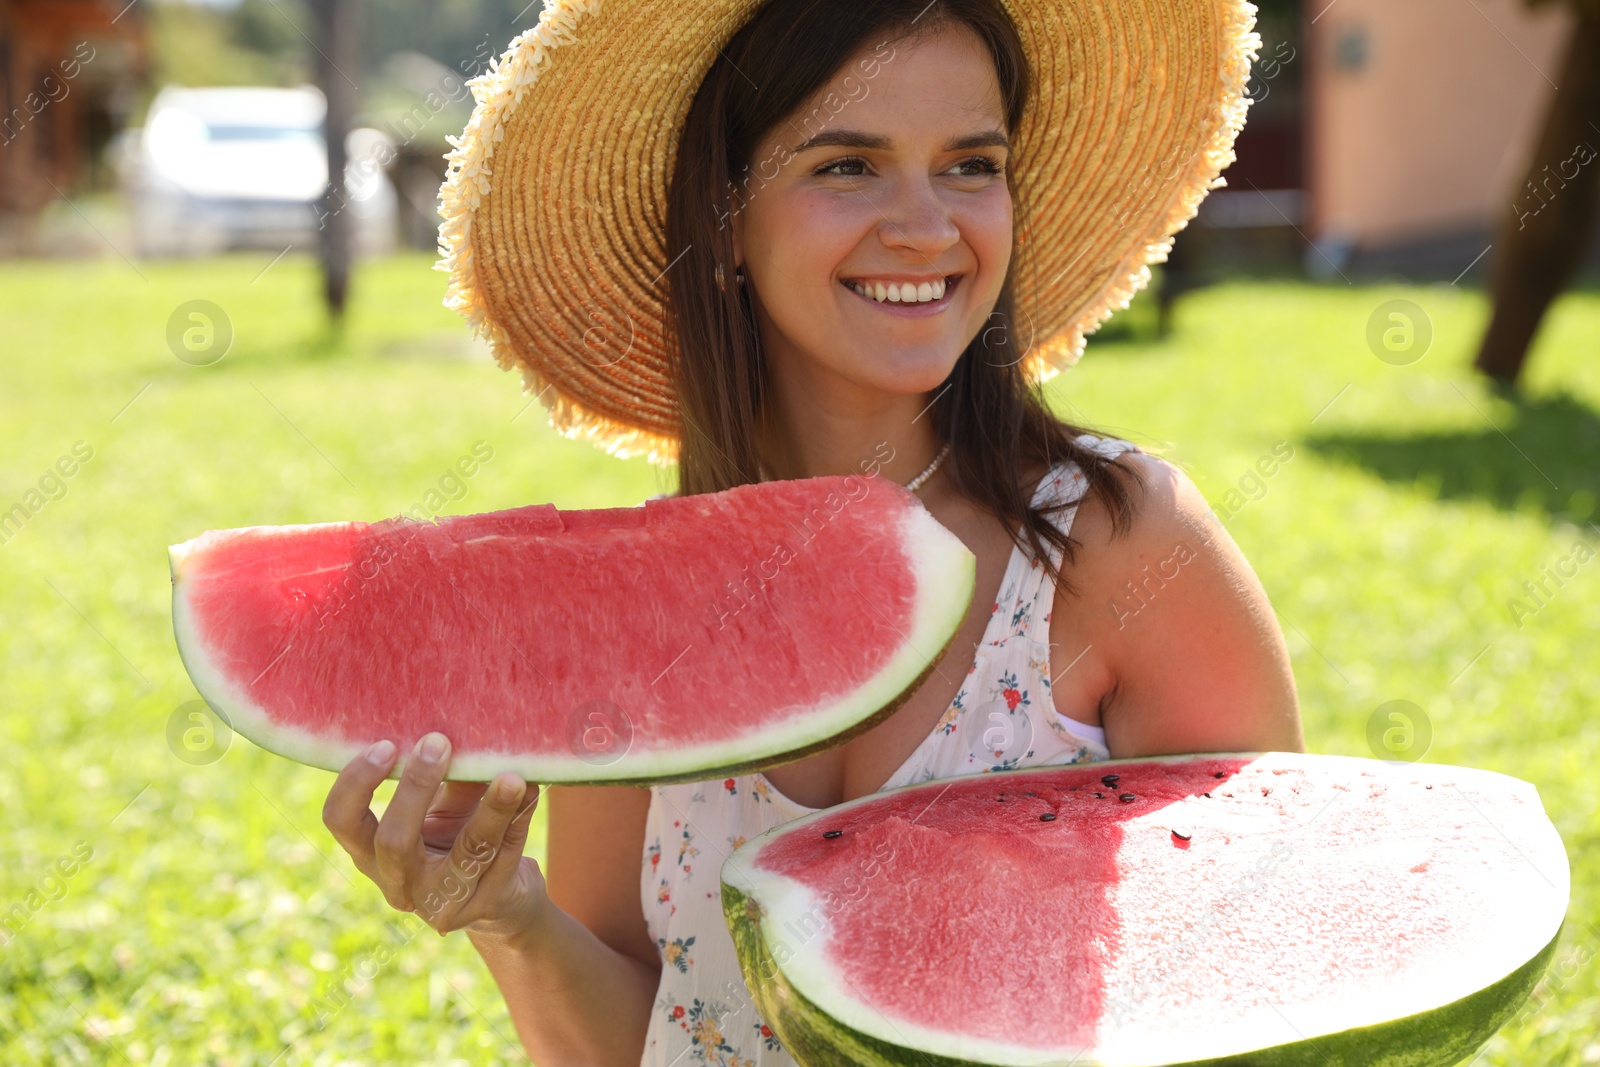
(554,204)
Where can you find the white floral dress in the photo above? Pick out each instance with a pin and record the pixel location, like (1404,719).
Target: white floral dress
(1003,717)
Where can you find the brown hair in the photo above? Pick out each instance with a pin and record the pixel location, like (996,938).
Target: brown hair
(994,420)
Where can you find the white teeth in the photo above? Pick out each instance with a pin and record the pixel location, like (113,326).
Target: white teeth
(902,292)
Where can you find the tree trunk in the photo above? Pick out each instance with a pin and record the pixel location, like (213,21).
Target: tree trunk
(337,65)
(1551,218)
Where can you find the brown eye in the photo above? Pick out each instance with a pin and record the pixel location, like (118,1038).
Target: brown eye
(984,165)
(828,168)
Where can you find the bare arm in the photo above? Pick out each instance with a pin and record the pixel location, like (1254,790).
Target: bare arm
(575,1000)
(594,1007)
(1193,649)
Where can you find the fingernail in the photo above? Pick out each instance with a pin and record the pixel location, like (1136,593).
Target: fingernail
(380,753)
(505,791)
(433,748)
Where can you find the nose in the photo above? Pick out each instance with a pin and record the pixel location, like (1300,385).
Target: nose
(916,219)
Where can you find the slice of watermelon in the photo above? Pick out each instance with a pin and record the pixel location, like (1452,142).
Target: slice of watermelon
(688,638)
(1256,909)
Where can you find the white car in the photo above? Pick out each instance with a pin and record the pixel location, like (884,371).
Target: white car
(220,168)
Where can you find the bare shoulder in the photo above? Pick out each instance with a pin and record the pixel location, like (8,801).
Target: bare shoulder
(1184,639)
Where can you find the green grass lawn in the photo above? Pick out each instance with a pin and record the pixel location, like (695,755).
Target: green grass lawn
(214,919)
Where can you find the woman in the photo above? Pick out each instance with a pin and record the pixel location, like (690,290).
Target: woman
(846,299)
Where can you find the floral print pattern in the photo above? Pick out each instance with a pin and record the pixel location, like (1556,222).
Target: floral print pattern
(703,1023)
(704,1013)
(769,1041)
(676,952)
(686,849)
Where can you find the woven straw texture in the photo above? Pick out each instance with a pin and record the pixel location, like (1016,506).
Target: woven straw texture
(554,204)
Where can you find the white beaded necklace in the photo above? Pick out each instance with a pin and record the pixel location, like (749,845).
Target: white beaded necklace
(913,485)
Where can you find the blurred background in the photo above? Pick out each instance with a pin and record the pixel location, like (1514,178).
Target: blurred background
(1382,140)
(1398,288)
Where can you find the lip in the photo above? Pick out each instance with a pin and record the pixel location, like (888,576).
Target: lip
(911,311)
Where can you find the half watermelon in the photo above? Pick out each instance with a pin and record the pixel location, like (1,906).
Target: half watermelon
(1245,909)
(687,638)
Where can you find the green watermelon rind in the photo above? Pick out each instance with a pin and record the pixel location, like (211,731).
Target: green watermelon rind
(1440,1036)
(946,581)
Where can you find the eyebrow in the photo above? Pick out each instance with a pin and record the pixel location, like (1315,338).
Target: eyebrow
(859,139)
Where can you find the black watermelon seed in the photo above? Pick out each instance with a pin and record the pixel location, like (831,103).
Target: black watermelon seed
(1108,779)
(832,833)
(1047,817)
(1126,797)
(1100,795)
(1205,794)
(1220,774)
(1181,835)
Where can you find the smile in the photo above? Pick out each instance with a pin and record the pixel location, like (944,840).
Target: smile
(905,296)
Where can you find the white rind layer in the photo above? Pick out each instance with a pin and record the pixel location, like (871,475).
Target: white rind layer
(1532,904)
(945,573)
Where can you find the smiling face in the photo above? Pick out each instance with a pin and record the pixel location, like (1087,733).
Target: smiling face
(878,251)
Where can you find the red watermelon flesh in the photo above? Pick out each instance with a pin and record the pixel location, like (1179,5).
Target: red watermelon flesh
(1394,914)
(685,638)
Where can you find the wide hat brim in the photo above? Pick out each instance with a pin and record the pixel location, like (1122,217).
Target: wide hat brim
(554,204)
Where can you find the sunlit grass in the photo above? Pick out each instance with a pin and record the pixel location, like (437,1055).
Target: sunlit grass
(214,916)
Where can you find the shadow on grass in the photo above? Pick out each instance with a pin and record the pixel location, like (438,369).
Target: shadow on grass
(1547,456)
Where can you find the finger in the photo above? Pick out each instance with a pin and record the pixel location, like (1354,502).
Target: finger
(503,869)
(347,813)
(480,839)
(397,843)
(470,855)
(497,887)
(452,807)
(458,798)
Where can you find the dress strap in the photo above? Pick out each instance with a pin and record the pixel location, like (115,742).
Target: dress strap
(1063,483)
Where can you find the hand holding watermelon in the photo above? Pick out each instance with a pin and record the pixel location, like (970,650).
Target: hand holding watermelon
(452,855)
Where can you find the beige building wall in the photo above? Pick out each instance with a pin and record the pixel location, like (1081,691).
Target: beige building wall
(1431,132)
